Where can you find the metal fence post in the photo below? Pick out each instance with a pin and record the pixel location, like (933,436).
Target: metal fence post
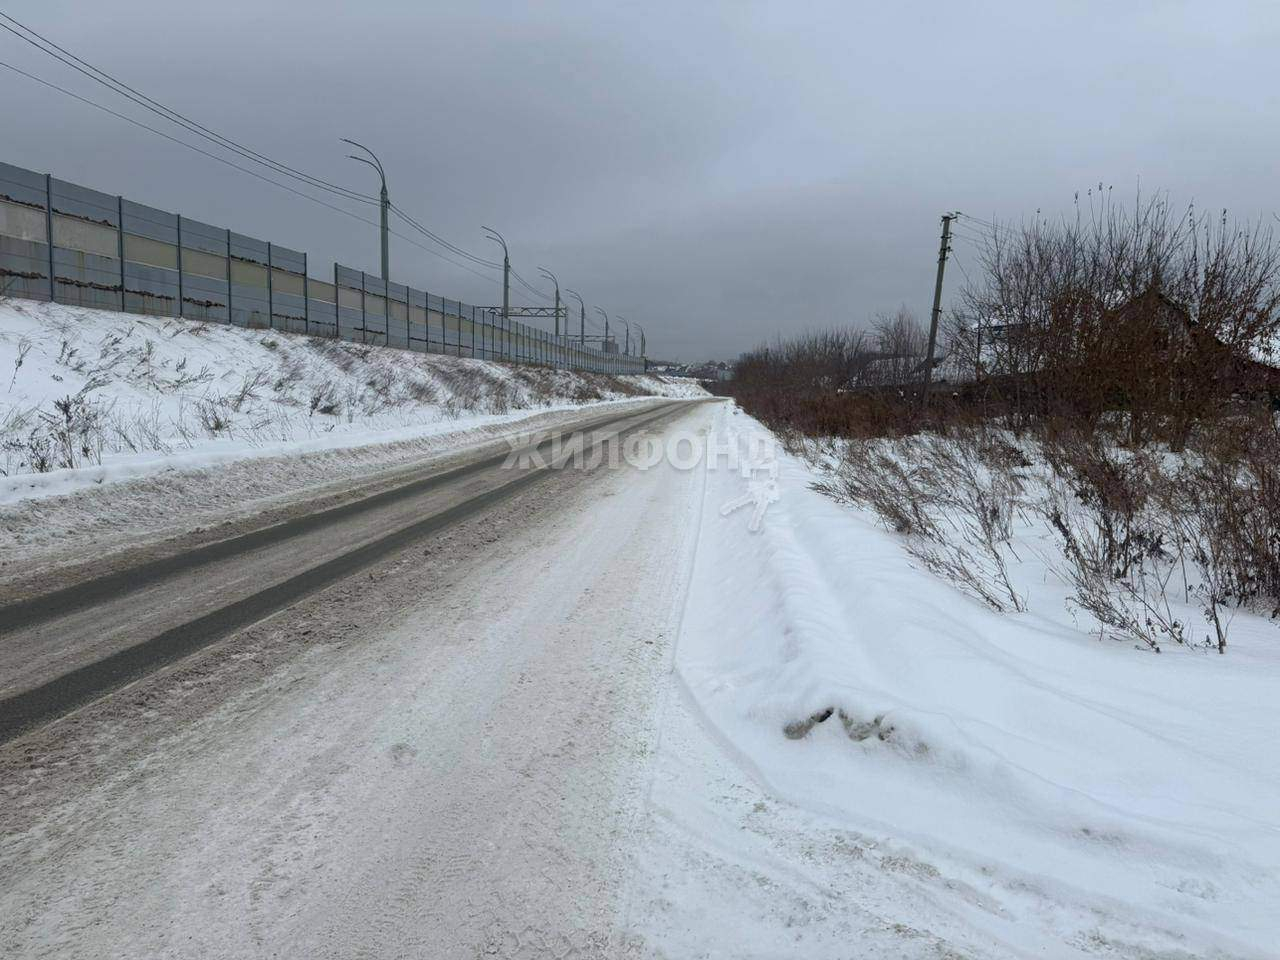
(120,244)
(48,232)
(364,318)
(179,221)
(231,317)
(473,331)
(306,296)
(271,290)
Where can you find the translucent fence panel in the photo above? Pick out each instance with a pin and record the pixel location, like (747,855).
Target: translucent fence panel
(24,252)
(75,245)
(287,289)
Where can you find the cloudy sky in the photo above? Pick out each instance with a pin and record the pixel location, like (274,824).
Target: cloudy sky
(720,172)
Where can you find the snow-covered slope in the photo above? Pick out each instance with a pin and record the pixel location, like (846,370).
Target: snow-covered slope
(1054,794)
(111,394)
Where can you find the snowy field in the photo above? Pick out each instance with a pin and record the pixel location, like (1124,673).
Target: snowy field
(1040,791)
(90,396)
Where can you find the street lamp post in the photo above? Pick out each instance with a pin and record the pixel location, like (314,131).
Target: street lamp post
(604,344)
(627,349)
(384,204)
(582,318)
(552,277)
(496,237)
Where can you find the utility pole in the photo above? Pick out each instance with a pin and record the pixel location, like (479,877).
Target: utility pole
(582,318)
(384,204)
(496,237)
(943,249)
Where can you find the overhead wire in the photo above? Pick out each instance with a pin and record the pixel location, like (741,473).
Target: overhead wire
(245,152)
(443,242)
(135,96)
(123,89)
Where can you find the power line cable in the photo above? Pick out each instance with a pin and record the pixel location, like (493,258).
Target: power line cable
(236,166)
(530,287)
(48,47)
(443,242)
(173,139)
(66,57)
(154,106)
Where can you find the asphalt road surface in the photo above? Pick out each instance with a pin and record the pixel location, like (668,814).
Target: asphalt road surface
(418,725)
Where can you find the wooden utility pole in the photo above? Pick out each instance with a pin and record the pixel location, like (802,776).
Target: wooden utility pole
(937,308)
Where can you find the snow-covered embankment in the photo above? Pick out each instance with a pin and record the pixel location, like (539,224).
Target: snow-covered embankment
(1066,796)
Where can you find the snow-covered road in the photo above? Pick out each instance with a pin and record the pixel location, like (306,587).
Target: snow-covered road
(454,766)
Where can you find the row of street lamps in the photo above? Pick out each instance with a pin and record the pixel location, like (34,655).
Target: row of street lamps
(385,206)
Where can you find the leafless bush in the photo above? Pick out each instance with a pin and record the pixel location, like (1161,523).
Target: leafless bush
(1133,604)
(1126,307)
(24,348)
(1128,524)
(213,419)
(250,384)
(540,383)
(504,398)
(954,504)
(1222,507)
(420,390)
(70,435)
(76,429)
(324,399)
(1113,485)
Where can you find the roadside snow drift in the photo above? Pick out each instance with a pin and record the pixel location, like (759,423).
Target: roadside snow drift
(1063,795)
(102,395)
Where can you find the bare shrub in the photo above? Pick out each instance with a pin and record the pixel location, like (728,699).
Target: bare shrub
(250,384)
(213,420)
(1134,604)
(1114,486)
(1222,507)
(24,348)
(1126,307)
(420,390)
(324,399)
(954,505)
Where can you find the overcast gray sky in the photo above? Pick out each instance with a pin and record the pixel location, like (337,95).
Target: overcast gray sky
(718,171)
